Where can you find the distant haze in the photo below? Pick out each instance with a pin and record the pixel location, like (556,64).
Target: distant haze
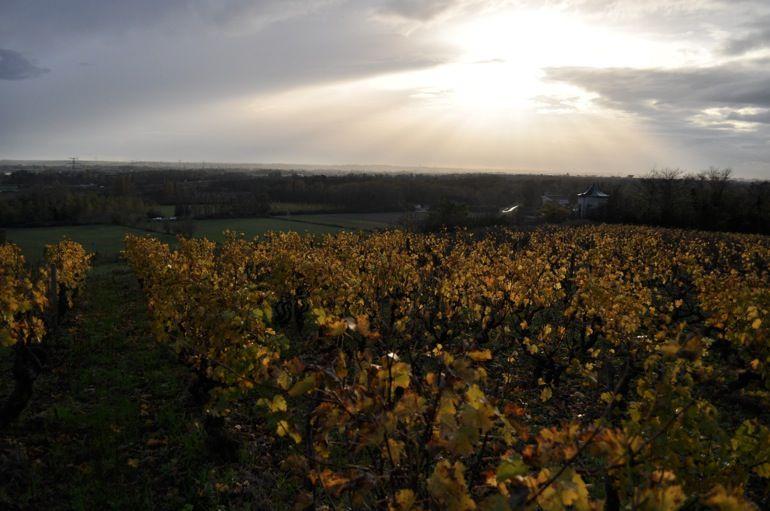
(580,86)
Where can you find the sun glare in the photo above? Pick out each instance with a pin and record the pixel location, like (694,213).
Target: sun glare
(503,56)
(492,103)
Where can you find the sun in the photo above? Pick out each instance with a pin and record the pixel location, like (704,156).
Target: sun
(490,104)
(499,68)
(503,55)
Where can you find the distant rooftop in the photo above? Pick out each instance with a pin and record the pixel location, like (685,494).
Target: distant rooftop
(593,191)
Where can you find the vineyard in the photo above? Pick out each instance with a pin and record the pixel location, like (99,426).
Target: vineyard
(31,305)
(603,367)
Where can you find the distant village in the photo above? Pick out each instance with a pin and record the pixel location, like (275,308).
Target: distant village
(588,204)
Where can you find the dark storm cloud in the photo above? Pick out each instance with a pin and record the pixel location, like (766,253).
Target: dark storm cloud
(14,66)
(737,84)
(147,55)
(759,117)
(757,39)
(40,22)
(43,22)
(720,111)
(237,44)
(753,41)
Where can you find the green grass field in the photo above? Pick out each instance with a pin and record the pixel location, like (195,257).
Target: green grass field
(251,227)
(362,221)
(166,209)
(282,208)
(107,240)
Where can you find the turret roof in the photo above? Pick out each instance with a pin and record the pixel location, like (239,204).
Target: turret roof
(593,191)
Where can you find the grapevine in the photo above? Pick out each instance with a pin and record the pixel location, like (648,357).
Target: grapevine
(566,368)
(29,311)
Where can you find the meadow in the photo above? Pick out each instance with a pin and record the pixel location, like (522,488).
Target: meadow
(354,221)
(107,240)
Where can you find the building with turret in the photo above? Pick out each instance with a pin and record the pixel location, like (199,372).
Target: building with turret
(592,201)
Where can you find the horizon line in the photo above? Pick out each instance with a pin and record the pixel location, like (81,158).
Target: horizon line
(341,167)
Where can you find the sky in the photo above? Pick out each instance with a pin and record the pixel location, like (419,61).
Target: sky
(582,86)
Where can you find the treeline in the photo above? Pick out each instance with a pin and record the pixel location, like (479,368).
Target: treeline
(341,192)
(710,200)
(402,192)
(222,206)
(54,205)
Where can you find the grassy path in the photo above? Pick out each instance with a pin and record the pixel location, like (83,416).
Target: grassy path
(108,426)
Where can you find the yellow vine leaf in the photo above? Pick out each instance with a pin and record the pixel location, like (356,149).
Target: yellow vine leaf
(447,486)
(480,355)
